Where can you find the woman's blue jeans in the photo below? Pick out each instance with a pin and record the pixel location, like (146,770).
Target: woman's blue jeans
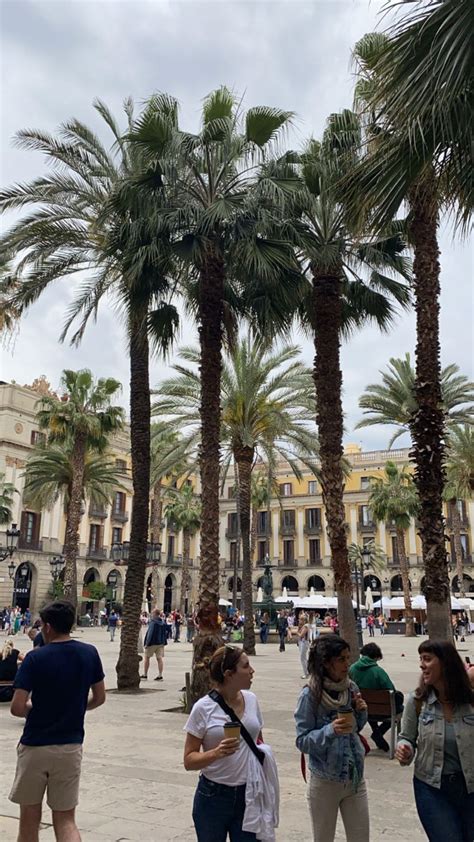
(446,813)
(218,812)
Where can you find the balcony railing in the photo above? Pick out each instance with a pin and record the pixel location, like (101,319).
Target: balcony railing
(463,522)
(263,531)
(97,552)
(367,526)
(287,529)
(229,564)
(314,562)
(119,516)
(312,530)
(395,562)
(231,533)
(99,512)
(24,544)
(282,562)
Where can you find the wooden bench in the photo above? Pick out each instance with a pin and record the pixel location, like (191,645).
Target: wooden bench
(381,706)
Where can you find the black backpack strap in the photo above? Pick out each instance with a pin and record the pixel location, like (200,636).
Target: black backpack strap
(216,697)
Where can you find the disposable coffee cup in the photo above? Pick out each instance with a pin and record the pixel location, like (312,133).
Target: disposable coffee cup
(232,731)
(347,715)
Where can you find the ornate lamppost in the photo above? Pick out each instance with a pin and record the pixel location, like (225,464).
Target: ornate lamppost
(56,566)
(13,535)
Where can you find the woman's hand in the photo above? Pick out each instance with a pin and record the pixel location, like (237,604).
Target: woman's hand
(226,748)
(403,754)
(342,726)
(359,703)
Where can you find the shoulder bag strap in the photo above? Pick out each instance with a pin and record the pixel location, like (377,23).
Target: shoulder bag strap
(216,697)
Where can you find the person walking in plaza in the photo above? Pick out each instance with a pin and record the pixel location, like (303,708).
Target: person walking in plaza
(329,716)
(234,770)
(190,628)
(371,625)
(112,624)
(156,639)
(52,690)
(282,628)
(438,733)
(303,642)
(381,623)
(369,675)
(264,627)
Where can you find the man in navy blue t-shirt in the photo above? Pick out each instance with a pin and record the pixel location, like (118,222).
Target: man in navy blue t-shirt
(52,690)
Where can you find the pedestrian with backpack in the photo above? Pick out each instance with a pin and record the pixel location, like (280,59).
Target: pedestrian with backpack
(438,734)
(329,715)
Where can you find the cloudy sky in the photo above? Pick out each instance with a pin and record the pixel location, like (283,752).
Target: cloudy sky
(58,55)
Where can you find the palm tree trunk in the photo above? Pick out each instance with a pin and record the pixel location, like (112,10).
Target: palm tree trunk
(238,544)
(71,538)
(402,557)
(211,293)
(253,532)
(327,374)
(156,517)
(185,570)
(456,529)
(427,425)
(244,460)
(127,668)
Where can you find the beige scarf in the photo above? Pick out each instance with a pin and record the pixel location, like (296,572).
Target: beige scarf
(340,694)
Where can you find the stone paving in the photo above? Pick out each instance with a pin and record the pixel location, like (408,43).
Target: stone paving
(134,787)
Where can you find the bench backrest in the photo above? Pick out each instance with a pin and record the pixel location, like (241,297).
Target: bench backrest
(378,702)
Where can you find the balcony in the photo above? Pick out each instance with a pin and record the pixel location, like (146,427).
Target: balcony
(289,563)
(35,546)
(367,526)
(288,529)
(230,564)
(463,522)
(263,531)
(119,517)
(312,530)
(231,533)
(98,512)
(173,561)
(314,562)
(97,552)
(395,562)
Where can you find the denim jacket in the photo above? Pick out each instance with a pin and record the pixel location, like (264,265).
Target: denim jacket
(424,734)
(329,754)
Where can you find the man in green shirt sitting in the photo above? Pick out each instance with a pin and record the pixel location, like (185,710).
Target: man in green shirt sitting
(368,675)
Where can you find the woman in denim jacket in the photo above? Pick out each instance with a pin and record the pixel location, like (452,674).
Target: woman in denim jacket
(438,731)
(329,715)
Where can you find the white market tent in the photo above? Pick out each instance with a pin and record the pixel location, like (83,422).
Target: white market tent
(417,603)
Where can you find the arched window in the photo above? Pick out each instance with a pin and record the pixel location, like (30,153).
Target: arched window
(468,584)
(396,584)
(372,582)
(170,593)
(22,586)
(291,584)
(316,582)
(231,584)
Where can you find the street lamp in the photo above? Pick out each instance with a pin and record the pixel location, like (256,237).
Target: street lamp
(11,569)
(13,535)
(56,565)
(112,580)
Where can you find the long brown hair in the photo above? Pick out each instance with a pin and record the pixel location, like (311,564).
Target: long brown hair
(322,650)
(457,686)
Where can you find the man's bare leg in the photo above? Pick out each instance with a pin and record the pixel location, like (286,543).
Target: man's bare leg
(160,665)
(30,817)
(146,665)
(65,827)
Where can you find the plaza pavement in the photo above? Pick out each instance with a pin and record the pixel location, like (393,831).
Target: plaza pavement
(134,787)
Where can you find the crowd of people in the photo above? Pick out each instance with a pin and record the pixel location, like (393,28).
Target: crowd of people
(55,683)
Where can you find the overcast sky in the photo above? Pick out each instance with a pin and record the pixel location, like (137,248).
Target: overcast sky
(57,56)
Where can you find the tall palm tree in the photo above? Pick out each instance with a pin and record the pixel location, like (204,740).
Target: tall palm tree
(459,485)
(89,214)
(260,497)
(7,490)
(352,280)
(393,498)
(225,189)
(393,401)
(80,422)
(267,406)
(184,510)
(417,95)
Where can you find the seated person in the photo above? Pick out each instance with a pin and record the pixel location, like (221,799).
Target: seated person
(10,659)
(368,675)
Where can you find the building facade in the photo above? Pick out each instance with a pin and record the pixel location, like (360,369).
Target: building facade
(291,533)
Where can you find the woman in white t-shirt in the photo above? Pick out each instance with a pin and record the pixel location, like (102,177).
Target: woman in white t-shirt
(219,802)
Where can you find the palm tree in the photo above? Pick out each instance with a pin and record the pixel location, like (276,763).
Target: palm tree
(393,401)
(416,92)
(459,485)
(393,499)
(351,282)
(81,421)
(7,490)
(225,189)
(260,496)
(184,510)
(91,215)
(267,405)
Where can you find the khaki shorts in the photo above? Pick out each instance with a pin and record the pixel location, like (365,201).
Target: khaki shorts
(157,650)
(56,769)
